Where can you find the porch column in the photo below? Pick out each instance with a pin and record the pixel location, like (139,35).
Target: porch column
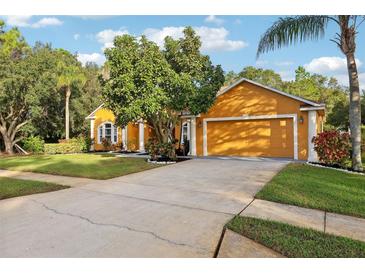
(92,125)
(141,136)
(312,131)
(192,142)
(124,138)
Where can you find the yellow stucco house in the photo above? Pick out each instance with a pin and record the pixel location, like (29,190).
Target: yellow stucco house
(247,119)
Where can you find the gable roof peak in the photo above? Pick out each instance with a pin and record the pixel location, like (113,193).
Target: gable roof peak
(306,101)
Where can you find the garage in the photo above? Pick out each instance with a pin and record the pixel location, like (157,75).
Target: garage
(251,138)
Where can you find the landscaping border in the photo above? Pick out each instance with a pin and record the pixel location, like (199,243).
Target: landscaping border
(339,169)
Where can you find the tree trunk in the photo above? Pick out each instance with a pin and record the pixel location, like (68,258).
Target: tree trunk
(8,145)
(354,112)
(67,112)
(347,44)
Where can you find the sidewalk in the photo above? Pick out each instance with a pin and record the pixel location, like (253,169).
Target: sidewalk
(48,178)
(337,224)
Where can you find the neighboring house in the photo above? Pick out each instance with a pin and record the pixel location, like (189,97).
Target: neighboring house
(247,119)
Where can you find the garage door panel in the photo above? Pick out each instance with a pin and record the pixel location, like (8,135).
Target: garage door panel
(267,138)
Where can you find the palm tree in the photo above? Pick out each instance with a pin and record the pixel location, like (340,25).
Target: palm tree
(289,30)
(70,74)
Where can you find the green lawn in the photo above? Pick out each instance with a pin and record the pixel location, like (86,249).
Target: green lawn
(10,187)
(296,242)
(320,188)
(96,166)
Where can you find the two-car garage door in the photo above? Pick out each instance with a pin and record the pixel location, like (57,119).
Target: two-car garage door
(265,138)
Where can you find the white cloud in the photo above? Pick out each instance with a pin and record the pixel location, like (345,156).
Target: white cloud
(47,21)
(93,57)
(214,19)
(212,38)
(106,37)
(25,21)
(18,20)
(325,65)
(334,67)
(76,36)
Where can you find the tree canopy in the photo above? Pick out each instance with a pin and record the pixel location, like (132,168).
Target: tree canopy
(153,84)
(30,101)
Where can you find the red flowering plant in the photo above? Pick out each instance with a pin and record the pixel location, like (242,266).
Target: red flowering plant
(332,147)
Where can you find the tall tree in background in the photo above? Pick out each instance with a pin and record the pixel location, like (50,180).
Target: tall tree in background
(267,77)
(85,100)
(289,30)
(70,75)
(12,94)
(27,86)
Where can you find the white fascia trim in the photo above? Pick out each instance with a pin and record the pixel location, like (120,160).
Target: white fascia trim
(312,108)
(257,117)
(91,115)
(269,88)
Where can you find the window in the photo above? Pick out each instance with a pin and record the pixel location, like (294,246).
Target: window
(185,135)
(108,131)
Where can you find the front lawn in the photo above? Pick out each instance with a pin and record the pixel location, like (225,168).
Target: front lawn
(296,242)
(10,187)
(95,166)
(320,188)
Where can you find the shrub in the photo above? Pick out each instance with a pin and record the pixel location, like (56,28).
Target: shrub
(107,144)
(33,144)
(164,150)
(332,147)
(74,145)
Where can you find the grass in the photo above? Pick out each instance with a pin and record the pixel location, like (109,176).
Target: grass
(10,187)
(95,166)
(319,188)
(296,242)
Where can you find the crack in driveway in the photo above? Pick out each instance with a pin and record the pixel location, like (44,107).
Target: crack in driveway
(117,226)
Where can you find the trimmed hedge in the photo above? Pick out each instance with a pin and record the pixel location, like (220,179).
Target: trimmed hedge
(75,145)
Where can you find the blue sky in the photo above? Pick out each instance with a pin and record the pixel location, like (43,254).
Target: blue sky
(229,40)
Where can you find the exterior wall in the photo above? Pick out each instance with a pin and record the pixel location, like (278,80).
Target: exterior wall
(102,116)
(132,136)
(252,100)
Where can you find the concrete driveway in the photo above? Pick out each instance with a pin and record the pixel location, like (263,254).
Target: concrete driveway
(172,211)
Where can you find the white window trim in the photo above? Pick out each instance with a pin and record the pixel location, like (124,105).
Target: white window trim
(113,129)
(245,118)
(187,124)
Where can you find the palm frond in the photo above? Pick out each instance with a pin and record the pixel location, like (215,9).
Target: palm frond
(290,30)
